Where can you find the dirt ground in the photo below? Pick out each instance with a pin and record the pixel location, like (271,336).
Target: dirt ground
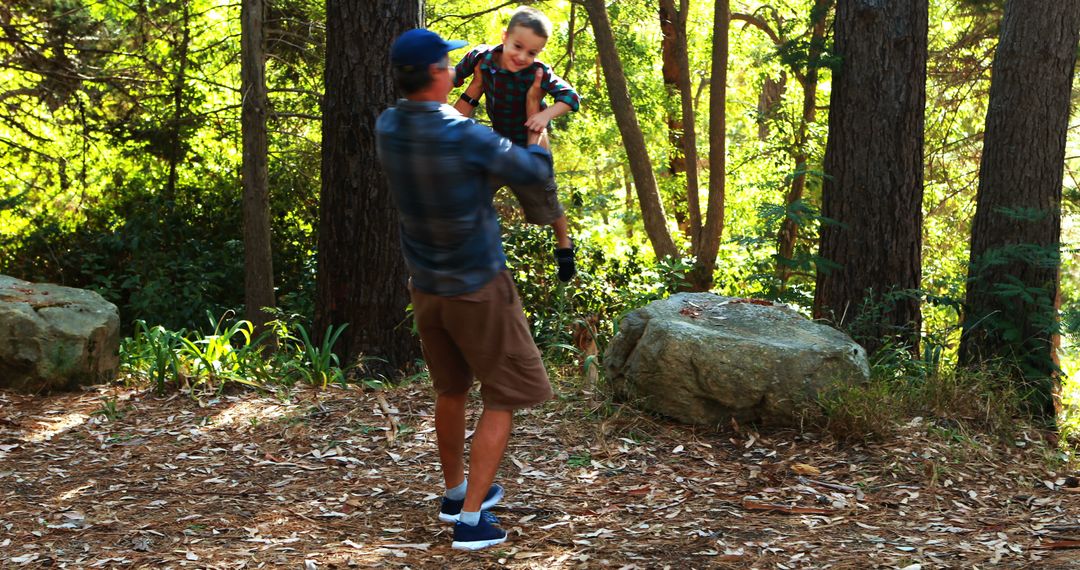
(113,477)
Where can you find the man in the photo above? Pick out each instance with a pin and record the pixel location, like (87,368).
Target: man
(465,305)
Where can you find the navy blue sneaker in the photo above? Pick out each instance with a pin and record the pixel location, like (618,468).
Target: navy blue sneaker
(450,509)
(483,535)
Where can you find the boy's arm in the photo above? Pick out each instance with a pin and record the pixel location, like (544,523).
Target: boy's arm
(566,100)
(465,67)
(470,98)
(560,90)
(539,121)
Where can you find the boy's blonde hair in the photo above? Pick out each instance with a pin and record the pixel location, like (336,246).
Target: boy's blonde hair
(532,19)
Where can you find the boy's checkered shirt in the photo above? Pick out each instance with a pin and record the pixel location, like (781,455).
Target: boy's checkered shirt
(505,90)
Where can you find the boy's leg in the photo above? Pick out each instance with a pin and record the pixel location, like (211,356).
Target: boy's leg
(564,250)
(562,232)
(540,203)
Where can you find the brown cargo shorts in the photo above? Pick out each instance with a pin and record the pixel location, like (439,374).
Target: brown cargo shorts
(482,333)
(540,202)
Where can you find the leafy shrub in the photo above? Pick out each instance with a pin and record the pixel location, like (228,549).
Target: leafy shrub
(230,355)
(606,286)
(164,262)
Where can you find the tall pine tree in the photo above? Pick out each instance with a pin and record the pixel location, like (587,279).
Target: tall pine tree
(874,172)
(361,277)
(1011,307)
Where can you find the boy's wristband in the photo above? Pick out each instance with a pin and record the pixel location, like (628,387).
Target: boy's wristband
(470,100)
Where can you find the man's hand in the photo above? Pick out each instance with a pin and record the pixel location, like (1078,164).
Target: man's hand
(476,84)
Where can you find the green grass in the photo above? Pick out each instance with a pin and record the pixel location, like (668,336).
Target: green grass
(961,400)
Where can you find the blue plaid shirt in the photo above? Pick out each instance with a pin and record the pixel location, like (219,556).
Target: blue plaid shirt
(438,164)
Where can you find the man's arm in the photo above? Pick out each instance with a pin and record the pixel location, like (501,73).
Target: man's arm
(540,139)
(489,152)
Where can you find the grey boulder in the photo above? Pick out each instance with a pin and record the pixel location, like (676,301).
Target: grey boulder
(54,337)
(704,359)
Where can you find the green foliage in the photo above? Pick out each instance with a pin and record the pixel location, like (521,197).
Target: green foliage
(153,352)
(109,410)
(606,286)
(230,355)
(1016,320)
(212,361)
(316,365)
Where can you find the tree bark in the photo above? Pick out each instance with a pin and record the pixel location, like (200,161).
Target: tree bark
(714,213)
(874,173)
(1015,238)
(689,135)
(652,210)
(361,276)
(570,43)
(671,72)
(258,262)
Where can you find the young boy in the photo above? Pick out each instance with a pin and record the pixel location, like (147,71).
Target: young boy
(507,71)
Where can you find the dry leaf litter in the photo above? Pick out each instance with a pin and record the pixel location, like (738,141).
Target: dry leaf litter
(350,479)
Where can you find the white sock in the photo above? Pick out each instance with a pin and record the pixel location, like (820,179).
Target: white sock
(458,493)
(471,519)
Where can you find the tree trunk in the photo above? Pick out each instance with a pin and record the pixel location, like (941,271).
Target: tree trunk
(714,214)
(258,263)
(361,277)
(652,211)
(176,131)
(570,44)
(669,43)
(789,228)
(628,201)
(874,173)
(689,136)
(1011,312)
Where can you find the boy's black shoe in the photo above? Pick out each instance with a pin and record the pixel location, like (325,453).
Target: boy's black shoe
(564,257)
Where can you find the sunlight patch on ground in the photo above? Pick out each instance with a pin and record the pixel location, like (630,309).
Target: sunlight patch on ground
(52,426)
(76,491)
(247,413)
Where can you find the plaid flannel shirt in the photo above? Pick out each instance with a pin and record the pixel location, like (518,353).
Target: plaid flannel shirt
(437,163)
(505,91)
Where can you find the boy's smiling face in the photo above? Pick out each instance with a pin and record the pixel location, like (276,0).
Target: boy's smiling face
(521,45)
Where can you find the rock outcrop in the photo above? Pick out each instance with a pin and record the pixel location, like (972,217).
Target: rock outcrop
(704,359)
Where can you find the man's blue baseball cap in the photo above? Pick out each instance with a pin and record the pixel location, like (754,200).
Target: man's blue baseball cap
(420,48)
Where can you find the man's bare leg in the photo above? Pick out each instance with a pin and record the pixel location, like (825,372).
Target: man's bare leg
(485,455)
(450,434)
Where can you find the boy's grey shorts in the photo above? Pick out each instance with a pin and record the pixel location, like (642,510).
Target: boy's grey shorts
(540,202)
